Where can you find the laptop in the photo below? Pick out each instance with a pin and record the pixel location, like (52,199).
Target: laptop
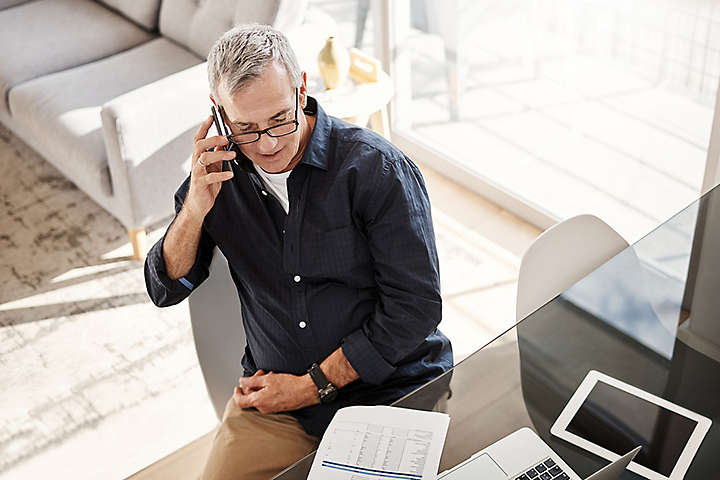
(523,455)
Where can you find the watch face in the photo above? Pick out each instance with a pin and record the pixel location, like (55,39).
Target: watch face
(328,393)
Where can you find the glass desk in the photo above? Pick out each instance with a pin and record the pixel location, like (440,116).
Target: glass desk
(649,317)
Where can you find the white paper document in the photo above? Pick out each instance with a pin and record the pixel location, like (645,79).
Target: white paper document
(365,443)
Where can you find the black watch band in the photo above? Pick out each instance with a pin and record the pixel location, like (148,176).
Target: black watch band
(326,390)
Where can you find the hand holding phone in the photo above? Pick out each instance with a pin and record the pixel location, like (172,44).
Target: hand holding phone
(207,173)
(221,127)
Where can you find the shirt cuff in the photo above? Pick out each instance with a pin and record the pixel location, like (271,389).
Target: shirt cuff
(365,359)
(162,289)
(186,282)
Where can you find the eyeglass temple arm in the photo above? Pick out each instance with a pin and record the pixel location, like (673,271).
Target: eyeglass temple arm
(225,130)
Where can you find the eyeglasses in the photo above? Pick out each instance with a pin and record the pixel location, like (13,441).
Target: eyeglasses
(275,131)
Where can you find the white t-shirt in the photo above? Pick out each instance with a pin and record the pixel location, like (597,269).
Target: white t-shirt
(277,184)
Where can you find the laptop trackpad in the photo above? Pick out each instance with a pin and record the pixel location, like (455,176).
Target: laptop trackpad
(482,467)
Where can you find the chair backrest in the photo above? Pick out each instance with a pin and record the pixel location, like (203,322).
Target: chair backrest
(560,257)
(218,332)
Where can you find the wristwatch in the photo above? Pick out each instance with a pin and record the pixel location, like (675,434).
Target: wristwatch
(326,390)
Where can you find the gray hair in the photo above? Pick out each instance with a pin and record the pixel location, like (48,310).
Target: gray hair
(242,54)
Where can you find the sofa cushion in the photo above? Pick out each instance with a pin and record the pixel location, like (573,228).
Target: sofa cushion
(197,25)
(48,36)
(145,13)
(61,111)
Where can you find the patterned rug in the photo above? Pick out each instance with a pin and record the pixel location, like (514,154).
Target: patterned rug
(98,383)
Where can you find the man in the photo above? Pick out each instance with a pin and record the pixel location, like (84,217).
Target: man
(327,231)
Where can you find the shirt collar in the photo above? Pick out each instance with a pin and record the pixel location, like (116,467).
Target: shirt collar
(316,150)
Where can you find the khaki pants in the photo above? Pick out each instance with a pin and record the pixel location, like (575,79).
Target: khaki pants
(253,446)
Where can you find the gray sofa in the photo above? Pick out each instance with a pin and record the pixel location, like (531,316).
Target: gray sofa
(111,92)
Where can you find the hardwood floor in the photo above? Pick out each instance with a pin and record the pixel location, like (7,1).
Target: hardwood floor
(183,464)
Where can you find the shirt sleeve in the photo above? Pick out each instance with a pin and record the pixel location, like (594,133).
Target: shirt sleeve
(163,290)
(396,213)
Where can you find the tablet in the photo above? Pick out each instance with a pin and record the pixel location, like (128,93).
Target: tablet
(608,417)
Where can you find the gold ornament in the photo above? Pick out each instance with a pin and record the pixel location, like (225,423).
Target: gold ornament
(333,63)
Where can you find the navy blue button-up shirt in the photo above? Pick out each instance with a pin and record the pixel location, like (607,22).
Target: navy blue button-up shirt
(353,264)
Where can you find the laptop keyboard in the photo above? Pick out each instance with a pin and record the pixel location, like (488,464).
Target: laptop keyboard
(546,470)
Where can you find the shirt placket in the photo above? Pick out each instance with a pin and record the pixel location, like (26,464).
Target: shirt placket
(297,194)
(269,202)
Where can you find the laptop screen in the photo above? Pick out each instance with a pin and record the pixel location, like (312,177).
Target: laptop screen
(618,421)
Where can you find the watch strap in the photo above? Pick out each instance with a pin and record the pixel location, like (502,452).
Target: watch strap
(326,390)
(318,377)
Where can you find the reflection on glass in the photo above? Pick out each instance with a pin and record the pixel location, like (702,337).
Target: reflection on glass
(640,291)
(618,295)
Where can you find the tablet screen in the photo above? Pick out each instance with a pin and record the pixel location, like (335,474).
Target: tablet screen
(619,421)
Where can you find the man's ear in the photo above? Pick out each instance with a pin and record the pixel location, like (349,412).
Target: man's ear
(303,91)
(212,99)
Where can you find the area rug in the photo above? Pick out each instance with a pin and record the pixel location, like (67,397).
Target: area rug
(97,382)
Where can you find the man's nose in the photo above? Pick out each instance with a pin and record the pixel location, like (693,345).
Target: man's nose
(267,144)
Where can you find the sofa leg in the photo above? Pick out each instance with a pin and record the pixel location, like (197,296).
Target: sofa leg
(137,239)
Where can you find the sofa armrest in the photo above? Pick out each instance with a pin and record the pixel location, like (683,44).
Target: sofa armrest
(149,136)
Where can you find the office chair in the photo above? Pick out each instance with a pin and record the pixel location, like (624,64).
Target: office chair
(561,256)
(218,332)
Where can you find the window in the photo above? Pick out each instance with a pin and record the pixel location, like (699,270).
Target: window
(554,108)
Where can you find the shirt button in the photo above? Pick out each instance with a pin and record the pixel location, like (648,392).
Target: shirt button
(297,278)
(263,192)
(302,324)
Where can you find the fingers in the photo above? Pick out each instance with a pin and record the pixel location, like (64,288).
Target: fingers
(207,156)
(256,400)
(252,400)
(242,382)
(251,383)
(257,373)
(240,399)
(216,177)
(203,129)
(252,392)
(207,159)
(205,144)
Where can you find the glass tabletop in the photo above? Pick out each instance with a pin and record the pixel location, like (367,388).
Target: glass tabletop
(649,317)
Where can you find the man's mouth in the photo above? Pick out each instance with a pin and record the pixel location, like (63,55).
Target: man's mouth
(269,155)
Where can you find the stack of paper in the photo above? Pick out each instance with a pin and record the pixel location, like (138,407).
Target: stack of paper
(365,443)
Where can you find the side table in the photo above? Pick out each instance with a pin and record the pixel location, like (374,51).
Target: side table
(363,95)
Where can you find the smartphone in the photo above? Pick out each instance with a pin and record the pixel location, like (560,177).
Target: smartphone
(219,126)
